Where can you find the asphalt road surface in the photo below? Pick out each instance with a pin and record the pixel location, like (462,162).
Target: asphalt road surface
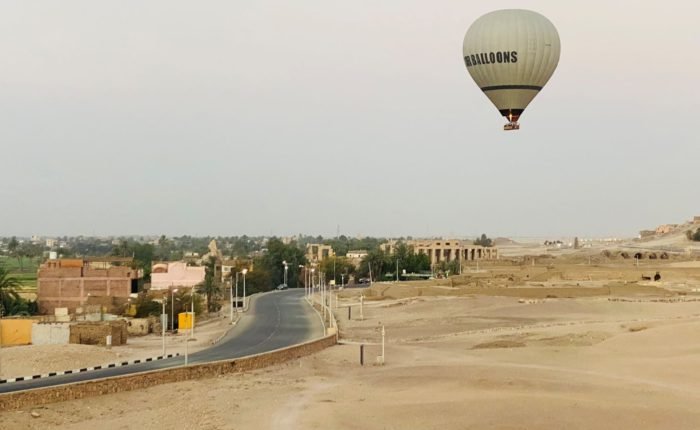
(274,320)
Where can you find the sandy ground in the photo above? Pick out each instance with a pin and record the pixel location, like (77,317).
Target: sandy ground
(39,359)
(468,362)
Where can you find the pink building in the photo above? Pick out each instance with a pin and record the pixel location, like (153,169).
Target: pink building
(175,274)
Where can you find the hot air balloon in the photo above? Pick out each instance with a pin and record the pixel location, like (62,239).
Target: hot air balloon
(511,54)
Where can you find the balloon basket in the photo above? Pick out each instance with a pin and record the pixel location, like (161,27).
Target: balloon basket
(511,126)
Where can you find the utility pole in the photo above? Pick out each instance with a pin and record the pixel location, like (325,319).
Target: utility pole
(237,273)
(244,271)
(1,309)
(231,298)
(163,323)
(192,319)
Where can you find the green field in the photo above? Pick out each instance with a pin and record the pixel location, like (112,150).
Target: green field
(25,273)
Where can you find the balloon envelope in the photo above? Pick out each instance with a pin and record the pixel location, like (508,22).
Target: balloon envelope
(511,54)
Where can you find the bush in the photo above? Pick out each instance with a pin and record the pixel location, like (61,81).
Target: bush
(146,306)
(483,241)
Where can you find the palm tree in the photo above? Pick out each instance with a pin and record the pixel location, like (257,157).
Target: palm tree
(10,301)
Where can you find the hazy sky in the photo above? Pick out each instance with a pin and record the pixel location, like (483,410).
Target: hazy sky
(279,117)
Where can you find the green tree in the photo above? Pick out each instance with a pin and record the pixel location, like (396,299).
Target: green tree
(446,268)
(13,248)
(408,260)
(122,249)
(211,287)
(256,281)
(483,241)
(142,253)
(696,236)
(143,258)
(273,260)
(335,267)
(146,306)
(182,303)
(164,249)
(10,301)
(374,263)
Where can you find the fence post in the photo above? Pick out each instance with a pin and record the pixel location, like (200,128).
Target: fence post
(362,313)
(362,355)
(383,335)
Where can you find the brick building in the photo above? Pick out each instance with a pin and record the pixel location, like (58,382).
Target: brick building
(70,283)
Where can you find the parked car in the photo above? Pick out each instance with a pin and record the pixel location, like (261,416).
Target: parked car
(281,287)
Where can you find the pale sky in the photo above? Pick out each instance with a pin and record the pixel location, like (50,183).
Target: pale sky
(278,117)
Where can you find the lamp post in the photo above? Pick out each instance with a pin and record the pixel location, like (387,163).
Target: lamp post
(231,298)
(192,316)
(285,272)
(172,309)
(244,271)
(311,291)
(237,291)
(0,337)
(163,324)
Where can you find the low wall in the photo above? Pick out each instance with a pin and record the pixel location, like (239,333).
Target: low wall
(95,333)
(50,334)
(137,326)
(16,331)
(81,390)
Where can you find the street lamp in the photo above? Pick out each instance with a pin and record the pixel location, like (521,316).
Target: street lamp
(285,272)
(237,291)
(172,309)
(231,298)
(163,324)
(244,271)
(311,291)
(192,316)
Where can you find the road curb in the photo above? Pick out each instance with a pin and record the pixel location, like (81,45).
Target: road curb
(87,369)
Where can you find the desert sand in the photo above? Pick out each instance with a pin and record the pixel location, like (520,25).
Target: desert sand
(624,357)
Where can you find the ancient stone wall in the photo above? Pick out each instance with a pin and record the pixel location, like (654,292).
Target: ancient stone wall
(138,326)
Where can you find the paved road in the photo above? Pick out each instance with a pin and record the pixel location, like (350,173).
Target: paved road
(275,320)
